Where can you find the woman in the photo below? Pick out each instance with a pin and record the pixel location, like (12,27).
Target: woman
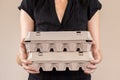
(60,15)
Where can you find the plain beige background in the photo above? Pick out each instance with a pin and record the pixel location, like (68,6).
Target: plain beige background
(109,69)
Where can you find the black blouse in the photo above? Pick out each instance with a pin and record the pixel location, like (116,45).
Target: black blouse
(75,18)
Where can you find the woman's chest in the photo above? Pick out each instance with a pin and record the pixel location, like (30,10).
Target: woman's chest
(60,8)
(60,13)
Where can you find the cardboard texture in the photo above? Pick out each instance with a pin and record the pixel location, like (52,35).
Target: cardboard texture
(59,49)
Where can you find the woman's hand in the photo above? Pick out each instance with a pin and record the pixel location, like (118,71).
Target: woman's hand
(97,59)
(22,60)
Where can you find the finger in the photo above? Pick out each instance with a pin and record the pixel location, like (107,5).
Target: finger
(89,71)
(27,62)
(96,61)
(26,67)
(33,72)
(92,67)
(30,69)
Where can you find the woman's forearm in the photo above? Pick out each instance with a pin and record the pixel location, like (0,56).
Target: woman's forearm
(94,28)
(26,25)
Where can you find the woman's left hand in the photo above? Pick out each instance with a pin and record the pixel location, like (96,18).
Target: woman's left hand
(97,59)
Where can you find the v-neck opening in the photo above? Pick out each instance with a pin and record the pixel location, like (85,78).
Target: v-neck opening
(64,14)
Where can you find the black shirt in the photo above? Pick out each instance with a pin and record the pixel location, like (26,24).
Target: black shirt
(75,18)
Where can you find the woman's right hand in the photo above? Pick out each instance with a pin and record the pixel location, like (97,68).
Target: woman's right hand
(22,60)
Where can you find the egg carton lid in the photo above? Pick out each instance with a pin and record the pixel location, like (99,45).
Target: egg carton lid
(58,35)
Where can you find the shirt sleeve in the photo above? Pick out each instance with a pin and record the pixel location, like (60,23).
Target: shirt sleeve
(27,6)
(94,5)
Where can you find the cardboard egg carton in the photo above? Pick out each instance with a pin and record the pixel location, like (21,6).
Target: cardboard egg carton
(59,49)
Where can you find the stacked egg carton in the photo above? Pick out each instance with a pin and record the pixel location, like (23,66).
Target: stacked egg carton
(59,49)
